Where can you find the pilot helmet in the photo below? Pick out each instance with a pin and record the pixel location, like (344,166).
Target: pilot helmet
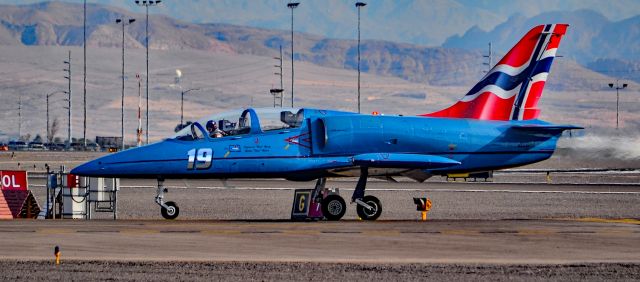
(211,125)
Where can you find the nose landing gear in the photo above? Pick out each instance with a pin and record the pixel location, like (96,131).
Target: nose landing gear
(168,210)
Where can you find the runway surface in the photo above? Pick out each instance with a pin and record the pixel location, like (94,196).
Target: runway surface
(576,228)
(437,241)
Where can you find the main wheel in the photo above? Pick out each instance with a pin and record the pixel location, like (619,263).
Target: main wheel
(333,207)
(370,214)
(171,212)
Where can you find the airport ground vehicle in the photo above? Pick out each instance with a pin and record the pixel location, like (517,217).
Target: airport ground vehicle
(494,126)
(18,146)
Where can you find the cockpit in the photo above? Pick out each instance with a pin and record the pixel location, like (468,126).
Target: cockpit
(241,122)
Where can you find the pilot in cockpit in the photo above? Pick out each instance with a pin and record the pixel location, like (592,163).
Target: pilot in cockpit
(214,131)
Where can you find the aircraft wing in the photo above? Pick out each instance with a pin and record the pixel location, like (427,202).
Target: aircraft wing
(396,160)
(545,128)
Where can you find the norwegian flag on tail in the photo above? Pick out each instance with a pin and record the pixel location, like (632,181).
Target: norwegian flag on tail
(511,89)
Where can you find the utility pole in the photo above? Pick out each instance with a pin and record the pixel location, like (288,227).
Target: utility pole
(20,117)
(292,6)
(490,58)
(358,6)
(139,130)
(68,77)
(124,23)
(146,4)
(617,87)
(84,81)
(278,91)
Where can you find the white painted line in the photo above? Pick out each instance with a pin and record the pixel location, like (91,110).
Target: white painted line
(406,190)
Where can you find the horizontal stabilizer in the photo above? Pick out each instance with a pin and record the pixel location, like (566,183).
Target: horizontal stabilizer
(394,160)
(545,128)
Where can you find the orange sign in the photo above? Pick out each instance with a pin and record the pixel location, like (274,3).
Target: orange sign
(13,180)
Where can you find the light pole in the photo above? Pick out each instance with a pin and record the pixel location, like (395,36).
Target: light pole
(358,6)
(146,4)
(617,87)
(68,77)
(124,23)
(292,6)
(49,95)
(182,104)
(84,81)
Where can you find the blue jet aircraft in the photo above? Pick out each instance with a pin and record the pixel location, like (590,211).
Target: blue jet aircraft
(494,126)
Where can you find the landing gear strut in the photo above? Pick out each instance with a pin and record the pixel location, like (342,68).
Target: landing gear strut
(169,210)
(369,207)
(334,207)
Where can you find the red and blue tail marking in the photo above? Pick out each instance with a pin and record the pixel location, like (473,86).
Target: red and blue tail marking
(511,89)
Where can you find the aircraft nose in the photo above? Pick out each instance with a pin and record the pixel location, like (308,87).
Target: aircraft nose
(87,169)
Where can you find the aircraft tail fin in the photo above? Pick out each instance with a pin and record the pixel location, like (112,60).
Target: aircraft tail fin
(512,88)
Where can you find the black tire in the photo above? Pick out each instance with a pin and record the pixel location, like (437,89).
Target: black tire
(367,214)
(172,212)
(333,207)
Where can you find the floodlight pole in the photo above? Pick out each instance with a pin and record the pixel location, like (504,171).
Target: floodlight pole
(358,6)
(617,87)
(292,6)
(124,23)
(146,4)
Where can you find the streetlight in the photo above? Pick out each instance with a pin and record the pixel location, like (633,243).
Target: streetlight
(182,104)
(49,95)
(358,6)
(146,4)
(124,23)
(84,80)
(617,87)
(292,6)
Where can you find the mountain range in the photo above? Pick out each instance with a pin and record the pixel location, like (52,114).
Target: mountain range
(457,63)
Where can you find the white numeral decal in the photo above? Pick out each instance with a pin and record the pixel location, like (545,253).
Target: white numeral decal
(199,158)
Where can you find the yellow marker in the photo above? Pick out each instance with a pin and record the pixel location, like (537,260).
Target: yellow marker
(287,147)
(227,154)
(56,252)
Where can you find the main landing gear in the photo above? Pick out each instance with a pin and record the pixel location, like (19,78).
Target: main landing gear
(169,210)
(334,207)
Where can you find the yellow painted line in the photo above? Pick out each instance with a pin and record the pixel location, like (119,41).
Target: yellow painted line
(460,232)
(536,232)
(604,220)
(55,231)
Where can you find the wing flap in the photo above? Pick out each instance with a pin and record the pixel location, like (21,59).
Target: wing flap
(396,160)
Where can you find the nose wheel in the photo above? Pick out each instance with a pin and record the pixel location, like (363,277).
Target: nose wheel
(171,210)
(168,210)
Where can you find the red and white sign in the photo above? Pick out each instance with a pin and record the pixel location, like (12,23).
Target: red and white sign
(13,180)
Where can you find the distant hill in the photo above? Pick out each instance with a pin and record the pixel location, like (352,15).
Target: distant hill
(590,37)
(56,23)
